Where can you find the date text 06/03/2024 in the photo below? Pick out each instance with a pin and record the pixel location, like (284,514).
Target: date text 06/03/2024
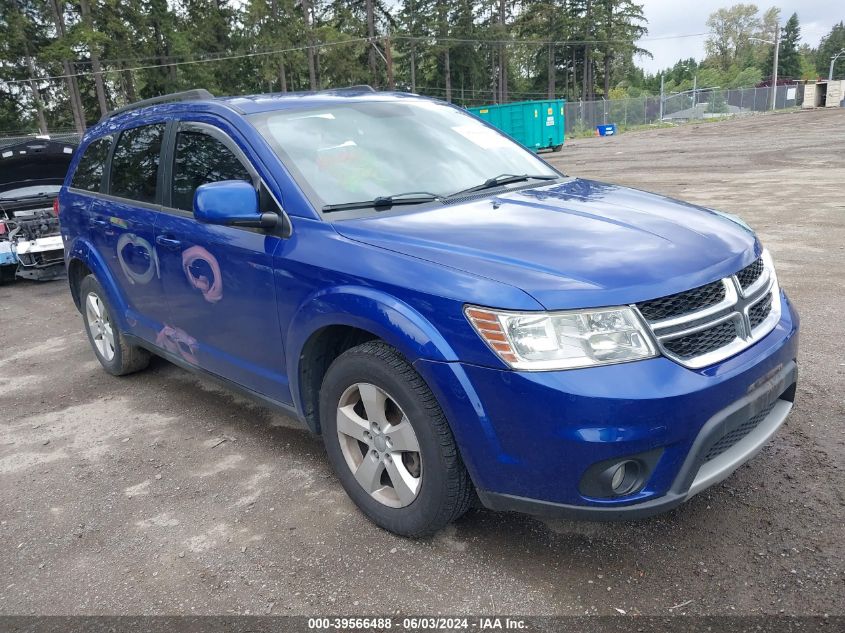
(417,623)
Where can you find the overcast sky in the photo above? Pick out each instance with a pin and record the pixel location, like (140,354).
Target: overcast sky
(679,17)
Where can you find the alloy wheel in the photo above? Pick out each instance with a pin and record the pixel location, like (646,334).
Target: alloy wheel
(379,445)
(100,326)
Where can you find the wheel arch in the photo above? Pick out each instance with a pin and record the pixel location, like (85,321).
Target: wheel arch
(82,260)
(77,270)
(335,320)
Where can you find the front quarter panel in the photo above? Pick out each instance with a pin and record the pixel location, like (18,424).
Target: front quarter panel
(324,279)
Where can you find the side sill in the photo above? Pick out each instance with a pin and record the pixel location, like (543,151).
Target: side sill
(277,405)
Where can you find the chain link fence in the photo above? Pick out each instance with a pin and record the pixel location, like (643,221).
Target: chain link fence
(582,117)
(65,136)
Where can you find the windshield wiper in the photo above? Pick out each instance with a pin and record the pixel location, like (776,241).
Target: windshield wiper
(503,179)
(409,197)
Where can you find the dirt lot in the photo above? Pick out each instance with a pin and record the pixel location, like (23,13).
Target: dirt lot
(162,493)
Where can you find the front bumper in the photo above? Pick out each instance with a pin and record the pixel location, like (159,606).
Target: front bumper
(41,259)
(528,438)
(695,474)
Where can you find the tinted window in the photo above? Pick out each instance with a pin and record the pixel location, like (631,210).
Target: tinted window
(134,166)
(199,159)
(89,171)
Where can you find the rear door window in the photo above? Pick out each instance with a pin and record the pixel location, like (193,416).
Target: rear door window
(89,171)
(199,159)
(134,165)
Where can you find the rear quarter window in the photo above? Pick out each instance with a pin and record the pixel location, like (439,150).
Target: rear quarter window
(89,172)
(134,164)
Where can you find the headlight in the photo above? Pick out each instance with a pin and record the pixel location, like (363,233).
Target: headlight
(563,340)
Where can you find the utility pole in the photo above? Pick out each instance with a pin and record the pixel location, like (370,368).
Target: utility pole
(661,97)
(413,14)
(371,34)
(503,58)
(832,62)
(388,51)
(413,66)
(775,66)
(694,90)
(312,70)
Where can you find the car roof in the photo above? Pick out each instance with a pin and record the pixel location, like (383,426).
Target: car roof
(247,105)
(253,104)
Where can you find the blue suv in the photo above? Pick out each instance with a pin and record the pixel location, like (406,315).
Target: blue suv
(457,319)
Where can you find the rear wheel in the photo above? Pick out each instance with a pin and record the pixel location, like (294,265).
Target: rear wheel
(389,442)
(110,347)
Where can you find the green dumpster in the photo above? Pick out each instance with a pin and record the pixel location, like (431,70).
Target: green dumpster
(536,124)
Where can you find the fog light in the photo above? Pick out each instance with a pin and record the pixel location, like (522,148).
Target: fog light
(618,477)
(625,477)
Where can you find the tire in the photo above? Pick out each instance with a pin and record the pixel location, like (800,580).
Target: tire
(115,355)
(7,274)
(439,489)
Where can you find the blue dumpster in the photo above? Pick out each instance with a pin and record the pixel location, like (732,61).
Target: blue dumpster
(536,124)
(606,130)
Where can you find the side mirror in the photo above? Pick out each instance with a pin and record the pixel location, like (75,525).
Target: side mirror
(231,203)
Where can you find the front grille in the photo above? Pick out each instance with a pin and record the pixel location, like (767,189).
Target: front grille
(44,258)
(734,435)
(703,342)
(683,302)
(759,311)
(710,323)
(751,273)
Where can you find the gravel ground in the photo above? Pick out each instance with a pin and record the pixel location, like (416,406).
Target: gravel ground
(163,493)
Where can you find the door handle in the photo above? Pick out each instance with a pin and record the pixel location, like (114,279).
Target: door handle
(97,223)
(168,242)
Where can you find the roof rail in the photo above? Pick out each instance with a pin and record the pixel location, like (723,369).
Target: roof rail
(356,88)
(187,95)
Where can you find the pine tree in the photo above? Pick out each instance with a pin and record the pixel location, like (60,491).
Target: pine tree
(789,60)
(20,40)
(621,23)
(829,46)
(61,49)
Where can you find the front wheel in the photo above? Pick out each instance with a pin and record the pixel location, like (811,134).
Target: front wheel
(110,347)
(389,443)
(7,274)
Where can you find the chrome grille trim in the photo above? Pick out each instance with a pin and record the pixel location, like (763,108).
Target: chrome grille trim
(685,319)
(735,307)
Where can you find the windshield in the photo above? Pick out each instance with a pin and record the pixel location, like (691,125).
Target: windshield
(357,151)
(34,190)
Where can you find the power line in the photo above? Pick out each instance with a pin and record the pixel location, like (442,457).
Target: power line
(205,58)
(542,42)
(189,62)
(418,38)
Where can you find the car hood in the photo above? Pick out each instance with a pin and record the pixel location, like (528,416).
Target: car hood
(34,162)
(577,243)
